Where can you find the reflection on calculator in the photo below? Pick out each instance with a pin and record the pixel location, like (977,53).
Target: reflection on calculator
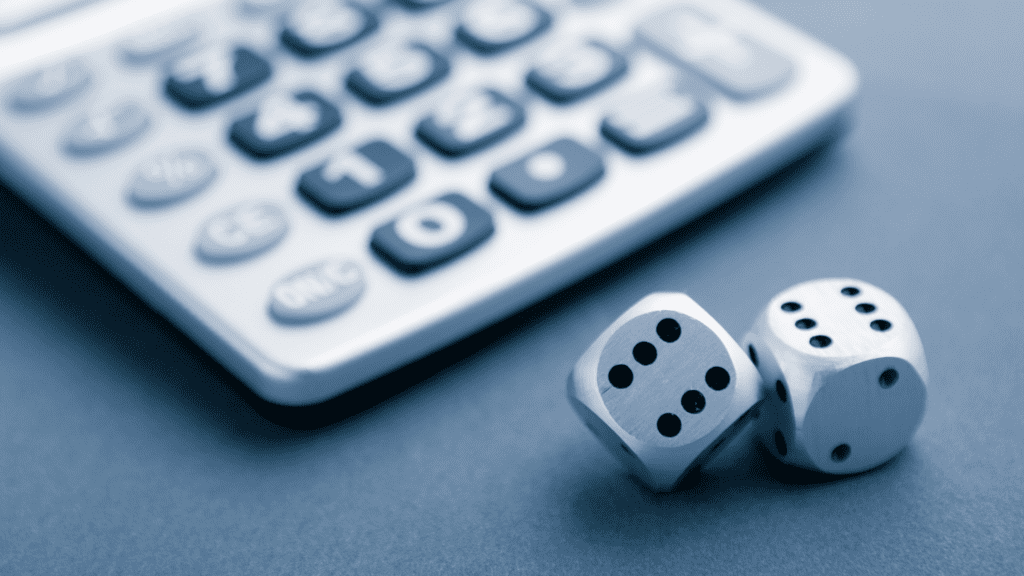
(319,192)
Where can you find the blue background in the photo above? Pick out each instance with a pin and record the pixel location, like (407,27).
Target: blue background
(124,449)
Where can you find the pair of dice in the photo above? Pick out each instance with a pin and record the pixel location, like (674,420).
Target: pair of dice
(833,372)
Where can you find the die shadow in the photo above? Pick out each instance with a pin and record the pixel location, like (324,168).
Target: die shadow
(744,481)
(39,264)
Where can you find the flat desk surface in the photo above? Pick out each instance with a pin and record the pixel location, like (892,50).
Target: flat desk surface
(124,449)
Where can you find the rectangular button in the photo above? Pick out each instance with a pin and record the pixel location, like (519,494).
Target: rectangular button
(355,178)
(738,65)
(465,125)
(432,233)
(548,175)
(653,119)
(285,122)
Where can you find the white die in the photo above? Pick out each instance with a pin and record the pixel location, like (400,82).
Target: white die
(664,387)
(844,372)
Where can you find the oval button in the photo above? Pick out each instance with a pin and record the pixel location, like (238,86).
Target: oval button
(171,177)
(317,292)
(241,232)
(49,86)
(107,129)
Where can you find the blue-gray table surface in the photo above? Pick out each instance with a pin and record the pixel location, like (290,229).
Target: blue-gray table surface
(124,449)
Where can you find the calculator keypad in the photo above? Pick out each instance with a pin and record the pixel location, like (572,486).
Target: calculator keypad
(171,177)
(241,232)
(284,122)
(551,174)
(576,71)
(397,71)
(107,129)
(317,292)
(490,26)
(652,120)
(216,74)
(318,27)
(432,233)
(49,86)
(467,124)
(738,65)
(351,179)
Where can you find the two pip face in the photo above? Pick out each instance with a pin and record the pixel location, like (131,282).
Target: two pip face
(835,375)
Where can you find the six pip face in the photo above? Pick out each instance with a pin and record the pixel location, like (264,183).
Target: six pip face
(836,317)
(666,378)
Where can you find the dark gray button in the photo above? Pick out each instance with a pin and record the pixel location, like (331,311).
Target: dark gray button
(159,43)
(317,27)
(653,120)
(48,87)
(737,64)
(355,178)
(241,232)
(107,129)
(432,233)
(285,122)
(317,292)
(215,74)
(394,72)
(468,124)
(548,175)
(171,177)
(576,71)
(491,26)
(420,4)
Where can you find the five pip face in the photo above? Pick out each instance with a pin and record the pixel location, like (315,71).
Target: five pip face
(837,362)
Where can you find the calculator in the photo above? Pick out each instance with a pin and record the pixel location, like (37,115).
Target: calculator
(320,192)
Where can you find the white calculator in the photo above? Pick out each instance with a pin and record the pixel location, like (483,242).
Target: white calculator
(319,192)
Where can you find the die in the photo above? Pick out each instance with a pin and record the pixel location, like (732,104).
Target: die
(845,375)
(664,387)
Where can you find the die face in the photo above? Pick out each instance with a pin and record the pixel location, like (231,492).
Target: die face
(838,317)
(665,378)
(664,387)
(863,415)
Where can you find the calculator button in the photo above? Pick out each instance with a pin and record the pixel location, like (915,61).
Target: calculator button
(737,64)
(395,72)
(241,232)
(465,125)
(653,120)
(171,177)
(432,233)
(49,86)
(155,44)
(490,26)
(215,74)
(317,292)
(576,71)
(358,177)
(548,175)
(320,26)
(417,4)
(107,129)
(284,122)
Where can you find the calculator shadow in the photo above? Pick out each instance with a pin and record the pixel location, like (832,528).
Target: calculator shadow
(89,301)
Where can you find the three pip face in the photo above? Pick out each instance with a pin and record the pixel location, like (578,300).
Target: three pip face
(833,372)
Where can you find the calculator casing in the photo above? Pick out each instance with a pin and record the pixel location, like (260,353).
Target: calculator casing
(400,317)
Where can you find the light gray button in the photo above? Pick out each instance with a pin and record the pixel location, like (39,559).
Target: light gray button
(316,292)
(158,43)
(241,232)
(171,177)
(49,86)
(106,129)
(737,64)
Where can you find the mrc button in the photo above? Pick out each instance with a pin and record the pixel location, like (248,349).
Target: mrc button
(240,232)
(432,233)
(316,292)
(548,175)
